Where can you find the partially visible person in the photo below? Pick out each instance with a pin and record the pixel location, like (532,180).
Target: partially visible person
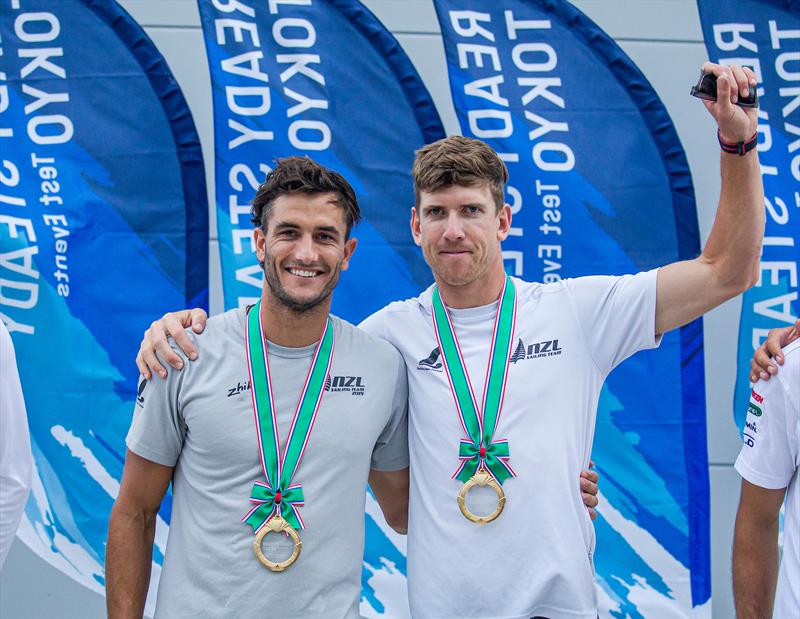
(769,463)
(769,356)
(16,461)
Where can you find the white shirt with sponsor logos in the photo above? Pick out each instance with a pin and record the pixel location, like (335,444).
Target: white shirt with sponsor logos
(536,558)
(770,458)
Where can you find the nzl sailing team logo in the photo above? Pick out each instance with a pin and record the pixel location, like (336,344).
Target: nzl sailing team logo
(353,385)
(546,348)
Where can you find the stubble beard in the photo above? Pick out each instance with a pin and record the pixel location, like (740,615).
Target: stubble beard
(299,306)
(449,275)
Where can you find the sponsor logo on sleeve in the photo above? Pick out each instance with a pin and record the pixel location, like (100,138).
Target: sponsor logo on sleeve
(753,407)
(140,392)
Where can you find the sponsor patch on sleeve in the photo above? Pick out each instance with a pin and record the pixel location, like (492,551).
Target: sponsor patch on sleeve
(754,406)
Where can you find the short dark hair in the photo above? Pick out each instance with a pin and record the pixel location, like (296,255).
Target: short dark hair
(459,160)
(294,175)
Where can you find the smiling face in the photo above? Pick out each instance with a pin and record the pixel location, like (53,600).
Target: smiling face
(460,229)
(303,249)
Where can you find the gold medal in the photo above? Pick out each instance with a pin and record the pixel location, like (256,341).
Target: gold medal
(481,478)
(484,459)
(277,524)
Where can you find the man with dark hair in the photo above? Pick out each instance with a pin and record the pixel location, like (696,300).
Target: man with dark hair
(312,447)
(301,175)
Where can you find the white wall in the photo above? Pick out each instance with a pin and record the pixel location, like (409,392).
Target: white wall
(664,39)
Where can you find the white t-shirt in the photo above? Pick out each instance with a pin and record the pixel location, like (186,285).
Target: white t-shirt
(536,558)
(16,462)
(770,458)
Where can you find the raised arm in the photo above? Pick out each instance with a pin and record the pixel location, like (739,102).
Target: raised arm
(155,341)
(755,551)
(728,264)
(131,529)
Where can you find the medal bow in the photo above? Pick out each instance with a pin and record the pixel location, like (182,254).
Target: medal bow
(268,502)
(493,458)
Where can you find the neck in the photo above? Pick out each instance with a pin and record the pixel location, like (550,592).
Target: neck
(287,327)
(484,290)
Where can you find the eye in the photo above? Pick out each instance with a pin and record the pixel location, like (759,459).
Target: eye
(473,210)
(434,211)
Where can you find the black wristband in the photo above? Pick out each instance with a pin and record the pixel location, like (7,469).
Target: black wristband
(738,148)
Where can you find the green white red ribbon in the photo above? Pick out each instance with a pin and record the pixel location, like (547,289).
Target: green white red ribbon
(479,449)
(277,495)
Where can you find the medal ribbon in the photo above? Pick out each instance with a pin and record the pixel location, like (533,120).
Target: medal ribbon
(278,495)
(479,450)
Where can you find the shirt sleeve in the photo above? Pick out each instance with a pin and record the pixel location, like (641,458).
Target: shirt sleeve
(16,461)
(158,429)
(391,448)
(374,324)
(617,315)
(769,439)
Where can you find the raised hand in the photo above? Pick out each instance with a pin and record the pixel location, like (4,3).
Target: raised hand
(736,124)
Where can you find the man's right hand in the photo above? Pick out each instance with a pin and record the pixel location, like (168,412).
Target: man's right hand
(155,341)
(768,356)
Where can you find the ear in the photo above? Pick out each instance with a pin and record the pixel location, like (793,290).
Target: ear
(504,219)
(415,230)
(260,241)
(349,247)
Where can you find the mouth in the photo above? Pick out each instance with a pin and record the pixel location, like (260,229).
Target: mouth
(305,273)
(454,252)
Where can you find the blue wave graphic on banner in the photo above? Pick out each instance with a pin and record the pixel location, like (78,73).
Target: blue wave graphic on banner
(599,184)
(103,223)
(765,35)
(327,80)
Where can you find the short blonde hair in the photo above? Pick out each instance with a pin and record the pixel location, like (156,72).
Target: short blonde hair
(459,160)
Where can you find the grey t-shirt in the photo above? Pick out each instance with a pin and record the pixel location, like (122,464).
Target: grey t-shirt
(200,420)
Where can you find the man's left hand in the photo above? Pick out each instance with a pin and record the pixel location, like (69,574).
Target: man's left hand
(736,124)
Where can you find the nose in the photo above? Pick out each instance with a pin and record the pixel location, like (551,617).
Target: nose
(453,230)
(305,250)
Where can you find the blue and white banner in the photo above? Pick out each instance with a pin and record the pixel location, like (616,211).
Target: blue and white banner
(599,184)
(103,224)
(321,78)
(765,35)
